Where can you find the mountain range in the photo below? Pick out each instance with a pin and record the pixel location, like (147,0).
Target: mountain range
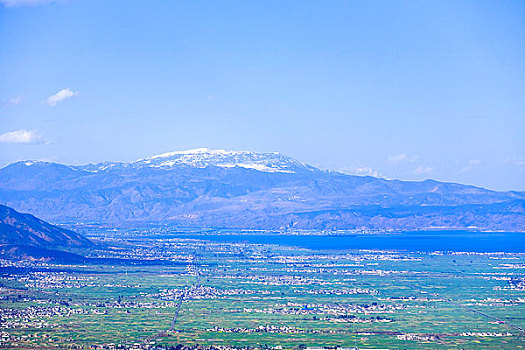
(229,189)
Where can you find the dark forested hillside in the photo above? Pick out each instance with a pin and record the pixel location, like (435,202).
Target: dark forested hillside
(26,230)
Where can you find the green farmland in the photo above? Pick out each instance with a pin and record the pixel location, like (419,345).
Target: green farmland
(241,295)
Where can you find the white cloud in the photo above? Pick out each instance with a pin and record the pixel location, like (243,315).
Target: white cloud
(15,3)
(474,162)
(519,161)
(15,100)
(471,163)
(423,170)
(19,136)
(401,158)
(397,159)
(60,96)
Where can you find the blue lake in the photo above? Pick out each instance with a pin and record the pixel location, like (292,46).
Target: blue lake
(458,241)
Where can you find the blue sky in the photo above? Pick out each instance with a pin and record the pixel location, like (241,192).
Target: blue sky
(408,90)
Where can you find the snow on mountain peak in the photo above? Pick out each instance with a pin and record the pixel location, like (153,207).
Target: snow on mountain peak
(204,157)
(192,152)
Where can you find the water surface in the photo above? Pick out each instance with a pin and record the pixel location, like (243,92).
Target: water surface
(457,241)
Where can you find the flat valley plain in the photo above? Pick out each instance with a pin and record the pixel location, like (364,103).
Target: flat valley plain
(145,292)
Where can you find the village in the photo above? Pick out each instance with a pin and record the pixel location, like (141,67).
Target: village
(159,288)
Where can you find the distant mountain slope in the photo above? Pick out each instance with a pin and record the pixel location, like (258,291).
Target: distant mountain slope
(26,230)
(249,190)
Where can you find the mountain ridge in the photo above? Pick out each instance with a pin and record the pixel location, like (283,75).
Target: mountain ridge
(242,189)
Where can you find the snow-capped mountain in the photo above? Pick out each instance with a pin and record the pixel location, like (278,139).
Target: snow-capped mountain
(217,188)
(204,157)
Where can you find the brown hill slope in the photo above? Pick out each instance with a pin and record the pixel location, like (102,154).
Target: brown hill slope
(26,230)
